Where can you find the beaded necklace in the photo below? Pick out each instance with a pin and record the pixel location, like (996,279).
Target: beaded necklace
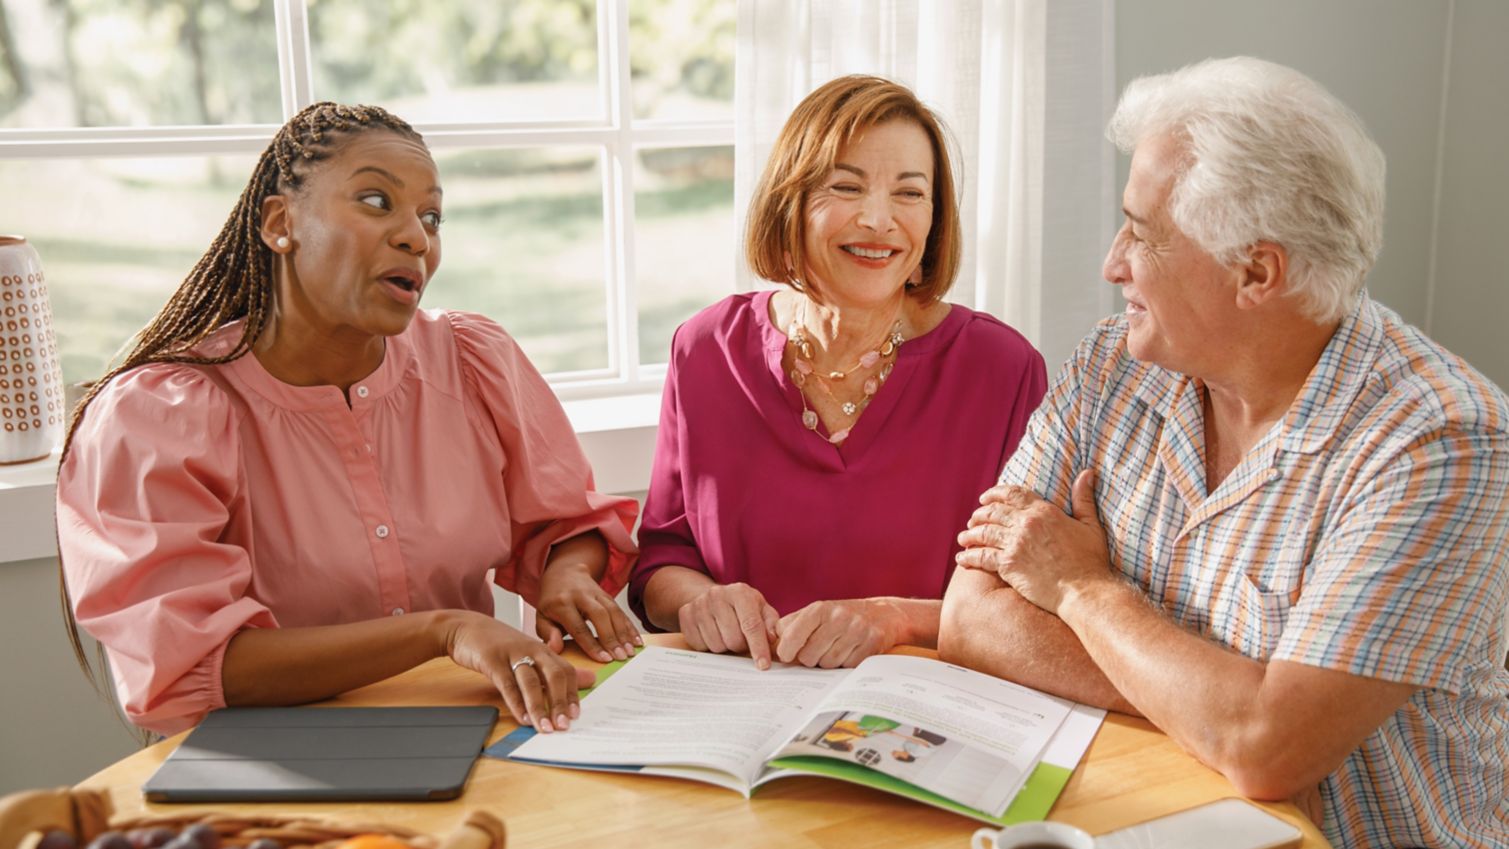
(803,368)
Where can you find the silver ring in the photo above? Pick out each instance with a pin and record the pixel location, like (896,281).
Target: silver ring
(526,660)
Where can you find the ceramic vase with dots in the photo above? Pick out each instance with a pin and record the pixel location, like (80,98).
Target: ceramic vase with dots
(32,411)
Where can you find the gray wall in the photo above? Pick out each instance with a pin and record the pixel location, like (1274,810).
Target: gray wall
(54,730)
(1470,304)
(1388,60)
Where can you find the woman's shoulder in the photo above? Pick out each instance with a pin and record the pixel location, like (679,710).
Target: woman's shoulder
(447,329)
(737,325)
(183,387)
(466,354)
(451,343)
(983,337)
(163,404)
(733,314)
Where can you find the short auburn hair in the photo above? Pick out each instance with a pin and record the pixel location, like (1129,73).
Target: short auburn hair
(804,155)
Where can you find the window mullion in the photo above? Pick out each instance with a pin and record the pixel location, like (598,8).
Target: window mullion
(618,201)
(295,81)
(614,134)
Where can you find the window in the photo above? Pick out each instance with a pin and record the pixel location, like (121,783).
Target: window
(586,148)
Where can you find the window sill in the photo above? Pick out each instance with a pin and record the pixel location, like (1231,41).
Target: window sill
(618,435)
(26,517)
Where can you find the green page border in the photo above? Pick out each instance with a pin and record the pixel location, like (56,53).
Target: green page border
(602,675)
(1033,802)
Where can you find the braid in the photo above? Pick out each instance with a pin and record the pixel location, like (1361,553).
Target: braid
(234,278)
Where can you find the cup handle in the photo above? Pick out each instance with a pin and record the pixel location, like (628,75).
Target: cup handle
(984,838)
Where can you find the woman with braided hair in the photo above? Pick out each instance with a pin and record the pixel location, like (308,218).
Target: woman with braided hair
(297,483)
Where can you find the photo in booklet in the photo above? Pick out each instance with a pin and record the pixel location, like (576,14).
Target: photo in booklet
(913,726)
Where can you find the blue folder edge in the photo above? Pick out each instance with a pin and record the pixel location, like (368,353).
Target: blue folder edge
(1032,802)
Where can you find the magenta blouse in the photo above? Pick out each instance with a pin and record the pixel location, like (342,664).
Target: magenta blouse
(742,491)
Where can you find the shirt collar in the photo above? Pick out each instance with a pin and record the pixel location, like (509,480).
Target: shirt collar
(1335,381)
(1322,404)
(1157,387)
(248,370)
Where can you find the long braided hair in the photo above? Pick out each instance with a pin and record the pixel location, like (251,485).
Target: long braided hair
(234,278)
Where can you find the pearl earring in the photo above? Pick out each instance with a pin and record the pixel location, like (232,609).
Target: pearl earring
(282,243)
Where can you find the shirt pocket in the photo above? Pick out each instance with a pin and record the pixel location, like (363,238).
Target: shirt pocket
(1262,597)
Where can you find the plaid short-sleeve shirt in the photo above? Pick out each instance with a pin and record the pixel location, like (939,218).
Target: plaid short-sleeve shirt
(1365,533)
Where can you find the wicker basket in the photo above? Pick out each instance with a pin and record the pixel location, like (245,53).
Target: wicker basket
(24,817)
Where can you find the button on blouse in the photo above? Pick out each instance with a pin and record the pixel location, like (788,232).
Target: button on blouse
(200,500)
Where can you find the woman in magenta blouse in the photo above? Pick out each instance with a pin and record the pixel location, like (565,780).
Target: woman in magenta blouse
(297,483)
(822,445)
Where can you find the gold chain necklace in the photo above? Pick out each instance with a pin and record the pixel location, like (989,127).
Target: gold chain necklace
(803,368)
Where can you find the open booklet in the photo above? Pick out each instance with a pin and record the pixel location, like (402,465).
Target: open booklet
(917,727)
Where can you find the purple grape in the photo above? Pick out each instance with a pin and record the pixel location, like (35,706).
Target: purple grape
(265,843)
(206,836)
(57,839)
(149,838)
(182,841)
(110,840)
(152,838)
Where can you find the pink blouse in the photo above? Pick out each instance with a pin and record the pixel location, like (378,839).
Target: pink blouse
(741,491)
(200,500)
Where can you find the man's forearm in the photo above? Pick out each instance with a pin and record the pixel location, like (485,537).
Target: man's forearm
(1273,729)
(1197,692)
(988,626)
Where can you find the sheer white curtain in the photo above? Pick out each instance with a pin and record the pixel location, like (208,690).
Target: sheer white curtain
(1024,88)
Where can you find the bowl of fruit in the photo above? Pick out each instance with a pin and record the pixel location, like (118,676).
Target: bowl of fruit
(81,819)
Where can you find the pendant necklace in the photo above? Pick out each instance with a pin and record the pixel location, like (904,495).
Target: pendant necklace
(882,355)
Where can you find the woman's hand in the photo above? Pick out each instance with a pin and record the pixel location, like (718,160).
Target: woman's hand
(730,618)
(538,686)
(570,598)
(831,634)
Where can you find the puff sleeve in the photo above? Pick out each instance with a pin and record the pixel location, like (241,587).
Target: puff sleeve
(547,480)
(151,559)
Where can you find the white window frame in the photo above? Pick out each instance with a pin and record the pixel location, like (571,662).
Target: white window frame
(615,133)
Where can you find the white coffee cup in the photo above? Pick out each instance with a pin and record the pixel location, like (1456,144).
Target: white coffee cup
(1032,834)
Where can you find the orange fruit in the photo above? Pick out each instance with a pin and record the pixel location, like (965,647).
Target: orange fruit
(374,841)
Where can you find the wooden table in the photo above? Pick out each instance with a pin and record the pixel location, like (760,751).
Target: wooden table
(1132,772)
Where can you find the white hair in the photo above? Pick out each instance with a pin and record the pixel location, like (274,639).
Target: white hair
(1270,156)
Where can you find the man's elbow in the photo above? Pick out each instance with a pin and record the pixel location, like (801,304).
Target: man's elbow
(957,628)
(1265,783)
(1268,783)
(1272,770)
(965,622)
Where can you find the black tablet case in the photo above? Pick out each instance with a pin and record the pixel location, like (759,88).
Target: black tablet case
(309,754)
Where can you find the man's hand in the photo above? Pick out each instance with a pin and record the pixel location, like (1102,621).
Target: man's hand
(1036,548)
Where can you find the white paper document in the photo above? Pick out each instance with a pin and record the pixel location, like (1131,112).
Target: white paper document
(962,735)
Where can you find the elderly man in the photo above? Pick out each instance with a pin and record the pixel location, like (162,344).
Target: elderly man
(1258,508)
